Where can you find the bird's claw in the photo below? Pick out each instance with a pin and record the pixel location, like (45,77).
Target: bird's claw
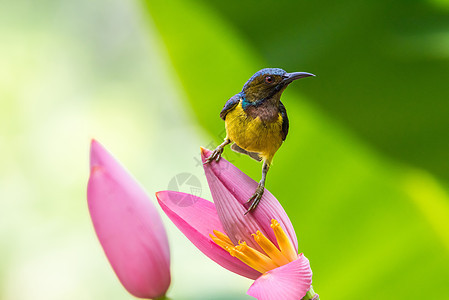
(255,198)
(216,155)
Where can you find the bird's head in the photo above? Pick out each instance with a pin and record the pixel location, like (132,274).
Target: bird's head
(269,84)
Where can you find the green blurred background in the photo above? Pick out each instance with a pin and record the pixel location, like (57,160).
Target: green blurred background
(363,173)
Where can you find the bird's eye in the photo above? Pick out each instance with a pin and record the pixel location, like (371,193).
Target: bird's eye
(269,79)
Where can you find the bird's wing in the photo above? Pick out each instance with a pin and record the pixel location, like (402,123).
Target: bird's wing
(285,124)
(229,105)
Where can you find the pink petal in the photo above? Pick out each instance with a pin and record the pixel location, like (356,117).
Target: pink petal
(128,227)
(288,282)
(230,189)
(196,222)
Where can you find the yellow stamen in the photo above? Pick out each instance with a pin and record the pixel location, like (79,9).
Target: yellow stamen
(261,259)
(222,243)
(223,237)
(244,258)
(255,259)
(284,242)
(270,249)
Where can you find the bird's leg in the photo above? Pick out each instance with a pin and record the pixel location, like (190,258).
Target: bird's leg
(217,152)
(255,198)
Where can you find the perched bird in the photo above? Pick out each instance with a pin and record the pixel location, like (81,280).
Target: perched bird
(256,121)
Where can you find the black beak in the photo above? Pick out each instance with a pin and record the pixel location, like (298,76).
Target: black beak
(289,77)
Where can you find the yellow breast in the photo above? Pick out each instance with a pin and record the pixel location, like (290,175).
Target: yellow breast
(253,134)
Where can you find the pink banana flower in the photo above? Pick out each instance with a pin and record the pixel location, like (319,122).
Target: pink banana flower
(261,245)
(128,226)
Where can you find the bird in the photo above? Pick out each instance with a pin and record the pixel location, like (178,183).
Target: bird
(256,121)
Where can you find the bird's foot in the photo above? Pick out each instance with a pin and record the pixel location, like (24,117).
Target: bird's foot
(216,155)
(255,198)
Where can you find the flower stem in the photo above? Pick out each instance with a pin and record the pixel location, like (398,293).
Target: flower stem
(311,295)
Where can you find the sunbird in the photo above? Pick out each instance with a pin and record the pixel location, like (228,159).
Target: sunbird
(256,121)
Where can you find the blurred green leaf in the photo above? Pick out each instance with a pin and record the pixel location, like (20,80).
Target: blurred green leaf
(384,66)
(366,223)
